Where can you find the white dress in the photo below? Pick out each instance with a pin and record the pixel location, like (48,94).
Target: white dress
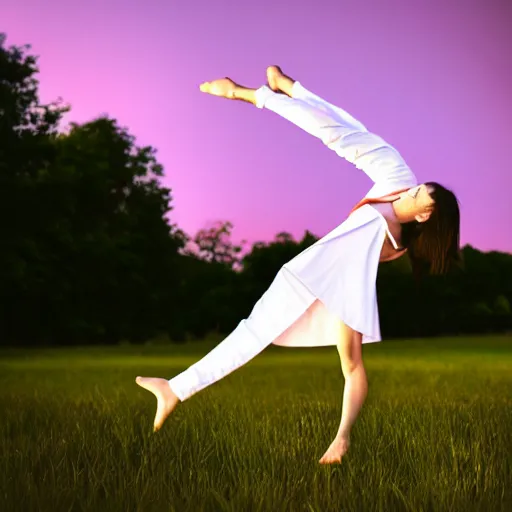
(340,270)
(334,279)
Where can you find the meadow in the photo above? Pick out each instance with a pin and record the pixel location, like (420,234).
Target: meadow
(434,434)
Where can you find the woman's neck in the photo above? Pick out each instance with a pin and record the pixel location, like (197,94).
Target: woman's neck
(388,212)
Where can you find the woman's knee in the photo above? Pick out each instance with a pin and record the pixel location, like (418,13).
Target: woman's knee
(349,349)
(351,365)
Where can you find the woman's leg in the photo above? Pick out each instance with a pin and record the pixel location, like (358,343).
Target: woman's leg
(237,349)
(348,137)
(278,308)
(233,352)
(355,391)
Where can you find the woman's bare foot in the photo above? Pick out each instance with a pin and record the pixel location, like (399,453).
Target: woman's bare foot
(223,87)
(278,81)
(226,88)
(336,451)
(166,399)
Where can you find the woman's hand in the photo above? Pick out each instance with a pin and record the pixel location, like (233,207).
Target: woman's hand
(335,452)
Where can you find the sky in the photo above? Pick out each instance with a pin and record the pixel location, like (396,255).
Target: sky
(432,77)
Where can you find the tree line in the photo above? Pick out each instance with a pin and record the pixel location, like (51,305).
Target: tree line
(89,254)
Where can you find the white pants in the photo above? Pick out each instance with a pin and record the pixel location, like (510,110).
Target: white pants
(279,307)
(284,302)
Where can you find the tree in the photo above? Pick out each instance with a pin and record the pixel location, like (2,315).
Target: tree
(214,244)
(26,152)
(502,305)
(89,255)
(123,252)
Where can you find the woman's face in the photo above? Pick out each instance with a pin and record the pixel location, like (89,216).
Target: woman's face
(417,203)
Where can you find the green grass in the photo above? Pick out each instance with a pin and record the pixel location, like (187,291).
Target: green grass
(434,434)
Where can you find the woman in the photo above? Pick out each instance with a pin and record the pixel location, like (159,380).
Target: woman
(327,294)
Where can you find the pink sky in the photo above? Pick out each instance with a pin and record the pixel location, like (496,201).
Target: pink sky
(433,77)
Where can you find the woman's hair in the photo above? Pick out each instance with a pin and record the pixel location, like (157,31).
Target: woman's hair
(433,246)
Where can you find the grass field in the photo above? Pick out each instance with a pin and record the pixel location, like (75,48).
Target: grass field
(435,432)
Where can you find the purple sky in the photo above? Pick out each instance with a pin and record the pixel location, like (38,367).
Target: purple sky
(433,77)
